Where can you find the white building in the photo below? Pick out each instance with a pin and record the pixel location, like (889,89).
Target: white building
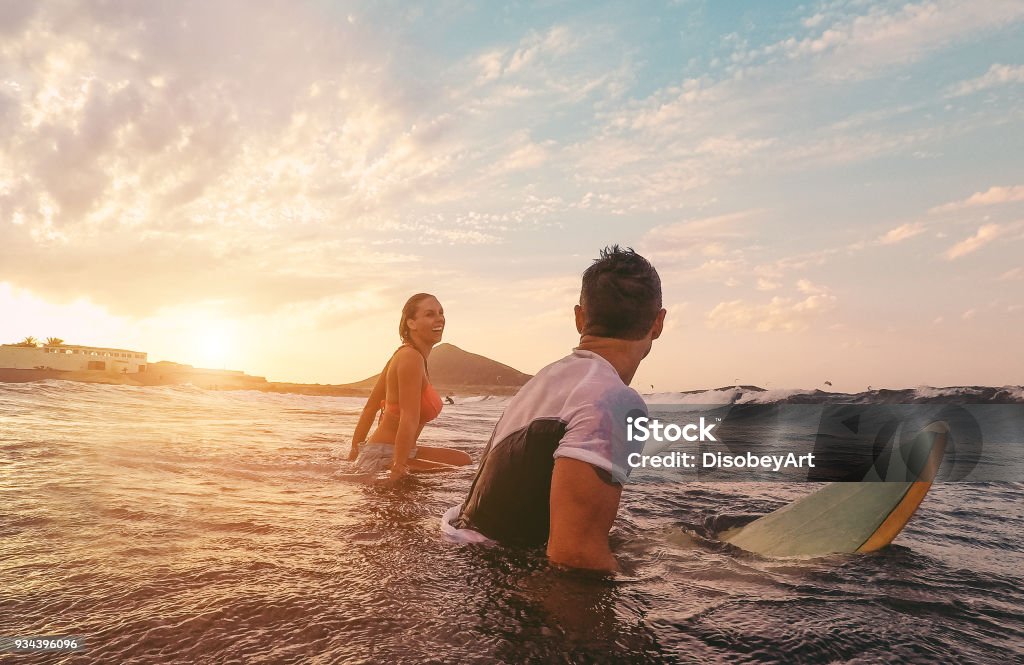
(72,358)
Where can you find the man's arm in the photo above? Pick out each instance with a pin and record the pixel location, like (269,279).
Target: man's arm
(584,501)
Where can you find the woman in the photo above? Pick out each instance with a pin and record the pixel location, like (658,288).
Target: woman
(406,401)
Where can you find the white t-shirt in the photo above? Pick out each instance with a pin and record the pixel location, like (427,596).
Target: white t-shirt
(575,407)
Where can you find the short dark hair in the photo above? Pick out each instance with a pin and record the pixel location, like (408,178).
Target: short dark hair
(621,295)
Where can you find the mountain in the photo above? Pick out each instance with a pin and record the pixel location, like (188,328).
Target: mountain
(452,368)
(450,365)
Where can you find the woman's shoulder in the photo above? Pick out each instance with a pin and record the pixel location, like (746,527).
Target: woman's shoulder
(406,355)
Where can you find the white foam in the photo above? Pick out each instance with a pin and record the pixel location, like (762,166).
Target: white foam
(928,392)
(772,396)
(724,396)
(476,399)
(1015,392)
(460,535)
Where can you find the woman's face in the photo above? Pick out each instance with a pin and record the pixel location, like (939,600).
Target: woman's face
(428,324)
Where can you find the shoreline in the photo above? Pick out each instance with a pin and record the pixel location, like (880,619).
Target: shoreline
(218,381)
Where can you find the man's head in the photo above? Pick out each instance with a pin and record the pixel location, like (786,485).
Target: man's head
(621,297)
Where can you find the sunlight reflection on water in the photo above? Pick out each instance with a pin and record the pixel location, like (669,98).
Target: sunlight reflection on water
(179,524)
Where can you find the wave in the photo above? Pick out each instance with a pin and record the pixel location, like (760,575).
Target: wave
(919,395)
(476,399)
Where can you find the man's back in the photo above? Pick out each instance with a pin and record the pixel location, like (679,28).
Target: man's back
(554,467)
(574,408)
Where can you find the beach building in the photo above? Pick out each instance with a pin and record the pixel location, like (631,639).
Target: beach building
(68,357)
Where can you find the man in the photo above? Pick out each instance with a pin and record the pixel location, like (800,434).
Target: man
(554,467)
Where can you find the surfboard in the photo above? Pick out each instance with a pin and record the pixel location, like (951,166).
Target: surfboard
(851,516)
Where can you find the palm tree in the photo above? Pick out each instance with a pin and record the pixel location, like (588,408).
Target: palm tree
(28,341)
(54,341)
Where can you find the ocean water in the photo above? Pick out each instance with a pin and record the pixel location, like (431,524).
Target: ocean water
(171,524)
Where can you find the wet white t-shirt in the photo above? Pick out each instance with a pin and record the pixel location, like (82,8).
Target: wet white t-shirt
(576,408)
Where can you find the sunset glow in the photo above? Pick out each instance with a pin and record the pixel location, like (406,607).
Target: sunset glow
(213,343)
(831,191)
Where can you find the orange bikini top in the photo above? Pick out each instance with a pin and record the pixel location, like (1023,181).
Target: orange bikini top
(430,404)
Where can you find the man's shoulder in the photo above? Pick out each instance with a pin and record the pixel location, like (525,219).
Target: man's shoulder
(624,395)
(576,365)
(579,383)
(550,375)
(571,358)
(579,370)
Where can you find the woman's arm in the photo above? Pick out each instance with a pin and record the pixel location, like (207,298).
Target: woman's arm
(369,412)
(409,370)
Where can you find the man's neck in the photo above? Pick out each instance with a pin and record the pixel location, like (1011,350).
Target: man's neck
(624,355)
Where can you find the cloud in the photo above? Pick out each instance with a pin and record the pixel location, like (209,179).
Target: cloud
(140,145)
(138,111)
(996,75)
(808,287)
(786,314)
(490,65)
(747,119)
(779,267)
(651,153)
(284,156)
(826,148)
(984,236)
(717,227)
(137,275)
(555,42)
(862,44)
(1011,274)
(991,196)
(716,241)
(901,233)
(813,21)
(522,153)
(534,67)
(40,318)
(674,315)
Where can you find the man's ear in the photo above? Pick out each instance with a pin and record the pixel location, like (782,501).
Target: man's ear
(581,319)
(659,324)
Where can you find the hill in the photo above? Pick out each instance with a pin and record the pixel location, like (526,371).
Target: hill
(452,368)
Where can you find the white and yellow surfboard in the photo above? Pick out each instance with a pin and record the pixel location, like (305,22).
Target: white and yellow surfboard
(849,517)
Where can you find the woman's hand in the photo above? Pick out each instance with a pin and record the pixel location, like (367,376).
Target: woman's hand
(353,452)
(396,476)
(398,472)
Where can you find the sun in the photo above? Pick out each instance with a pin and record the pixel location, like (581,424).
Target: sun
(214,348)
(213,343)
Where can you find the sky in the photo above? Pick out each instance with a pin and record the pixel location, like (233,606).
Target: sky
(829,190)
